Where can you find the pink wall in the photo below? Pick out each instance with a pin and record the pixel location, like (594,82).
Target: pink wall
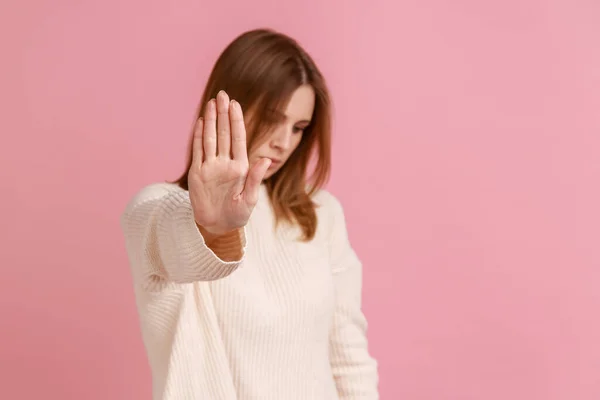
(467,155)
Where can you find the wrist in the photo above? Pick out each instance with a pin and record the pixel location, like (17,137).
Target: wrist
(210,235)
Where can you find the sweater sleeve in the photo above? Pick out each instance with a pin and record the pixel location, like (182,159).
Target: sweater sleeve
(354,369)
(164,243)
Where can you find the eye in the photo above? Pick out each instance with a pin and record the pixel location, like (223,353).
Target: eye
(301,127)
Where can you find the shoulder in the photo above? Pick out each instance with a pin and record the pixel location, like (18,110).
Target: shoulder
(154,191)
(150,195)
(329,208)
(325,199)
(331,225)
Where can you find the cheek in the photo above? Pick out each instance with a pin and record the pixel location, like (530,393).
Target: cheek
(253,153)
(296,139)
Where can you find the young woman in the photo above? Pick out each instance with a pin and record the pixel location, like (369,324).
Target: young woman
(246,283)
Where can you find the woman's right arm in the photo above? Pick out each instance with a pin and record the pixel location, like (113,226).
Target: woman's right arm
(164,227)
(164,241)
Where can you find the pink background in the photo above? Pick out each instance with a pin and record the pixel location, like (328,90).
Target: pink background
(467,155)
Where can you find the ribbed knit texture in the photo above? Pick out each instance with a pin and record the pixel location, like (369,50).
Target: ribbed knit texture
(282,322)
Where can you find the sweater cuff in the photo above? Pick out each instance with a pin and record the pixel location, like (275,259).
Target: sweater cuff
(195,260)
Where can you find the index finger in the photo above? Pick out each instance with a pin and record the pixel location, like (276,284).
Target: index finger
(197,150)
(238,132)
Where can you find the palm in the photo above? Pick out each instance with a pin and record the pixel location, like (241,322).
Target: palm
(223,191)
(216,189)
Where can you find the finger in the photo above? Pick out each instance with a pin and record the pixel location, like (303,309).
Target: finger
(210,131)
(238,133)
(223,131)
(197,143)
(254,179)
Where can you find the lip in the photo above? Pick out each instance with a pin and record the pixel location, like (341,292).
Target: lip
(274,161)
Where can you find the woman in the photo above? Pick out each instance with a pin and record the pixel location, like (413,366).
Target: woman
(246,284)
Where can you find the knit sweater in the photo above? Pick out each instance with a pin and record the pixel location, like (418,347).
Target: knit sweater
(282,321)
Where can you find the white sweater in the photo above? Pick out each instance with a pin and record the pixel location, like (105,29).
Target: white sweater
(283,322)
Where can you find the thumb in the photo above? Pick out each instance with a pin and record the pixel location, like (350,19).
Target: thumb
(254,179)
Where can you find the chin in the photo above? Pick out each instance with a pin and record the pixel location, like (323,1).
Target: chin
(269,174)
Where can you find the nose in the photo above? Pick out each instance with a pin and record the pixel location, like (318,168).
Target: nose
(282,138)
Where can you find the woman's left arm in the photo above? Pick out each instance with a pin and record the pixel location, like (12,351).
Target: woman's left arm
(354,369)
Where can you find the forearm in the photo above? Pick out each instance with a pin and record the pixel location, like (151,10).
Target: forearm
(160,229)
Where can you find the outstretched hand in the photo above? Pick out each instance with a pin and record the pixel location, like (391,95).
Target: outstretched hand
(223,189)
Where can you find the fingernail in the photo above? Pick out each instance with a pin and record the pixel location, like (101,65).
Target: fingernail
(235,106)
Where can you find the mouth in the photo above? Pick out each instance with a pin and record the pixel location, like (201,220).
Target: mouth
(274,162)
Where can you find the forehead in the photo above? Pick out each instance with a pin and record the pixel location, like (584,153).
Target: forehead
(301,104)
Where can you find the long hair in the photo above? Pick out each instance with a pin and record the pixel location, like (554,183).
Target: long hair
(261,69)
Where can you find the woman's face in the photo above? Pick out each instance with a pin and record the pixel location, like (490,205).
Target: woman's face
(287,133)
